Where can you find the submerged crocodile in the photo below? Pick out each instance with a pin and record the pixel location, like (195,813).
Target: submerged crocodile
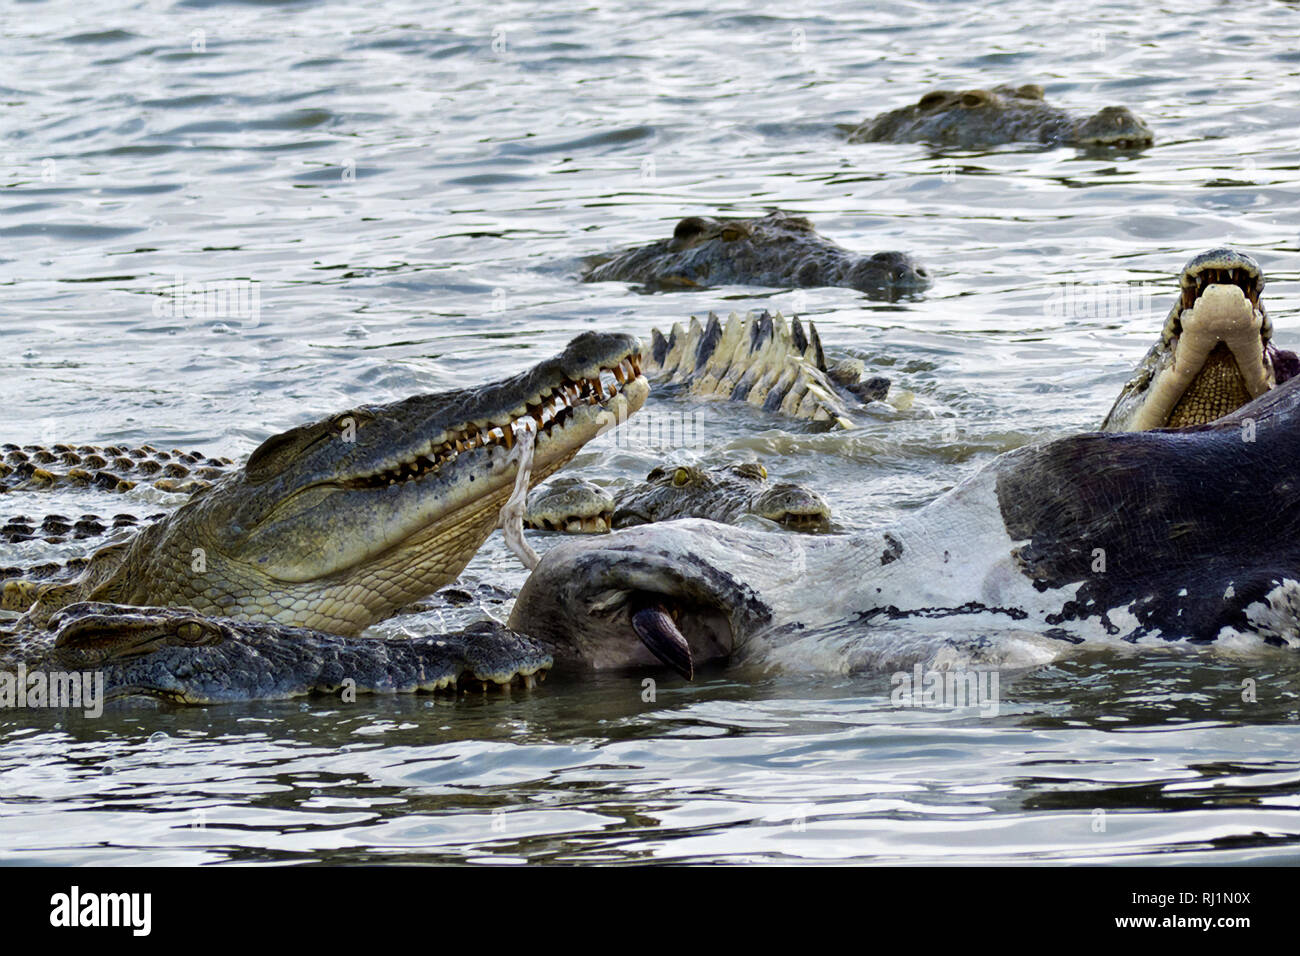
(1133,538)
(765,361)
(337,524)
(1004,114)
(172,654)
(726,493)
(1215,352)
(773,250)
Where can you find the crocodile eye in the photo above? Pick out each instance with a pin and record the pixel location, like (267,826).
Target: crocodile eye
(680,477)
(763,470)
(194,633)
(935,99)
(1030,91)
(974,98)
(732,233)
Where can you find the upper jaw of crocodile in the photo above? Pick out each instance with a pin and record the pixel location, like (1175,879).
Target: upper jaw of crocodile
(1214,353)
(371,509)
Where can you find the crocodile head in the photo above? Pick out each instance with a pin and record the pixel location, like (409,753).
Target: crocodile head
(727,493)
(571,505)
(1114,127)
(339,523)
(1003,114)
(723,494)
(773,250)
(1214,354)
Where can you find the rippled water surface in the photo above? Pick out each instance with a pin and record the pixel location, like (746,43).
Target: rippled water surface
(412,193)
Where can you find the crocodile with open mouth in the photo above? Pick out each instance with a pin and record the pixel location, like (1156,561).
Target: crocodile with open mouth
(337,524)
(725,493)
(1004,114)
(777,249)
(1215,352)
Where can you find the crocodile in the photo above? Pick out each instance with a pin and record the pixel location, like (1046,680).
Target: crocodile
(1004,114)
(766,361)
(1170,537)
(174,655)
(337,524)
(777,249)
(1215,352)
(726,493)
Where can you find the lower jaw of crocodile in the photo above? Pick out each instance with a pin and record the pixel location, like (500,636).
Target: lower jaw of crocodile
(1218,364)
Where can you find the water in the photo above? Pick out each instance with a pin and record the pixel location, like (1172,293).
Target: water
(412,193)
